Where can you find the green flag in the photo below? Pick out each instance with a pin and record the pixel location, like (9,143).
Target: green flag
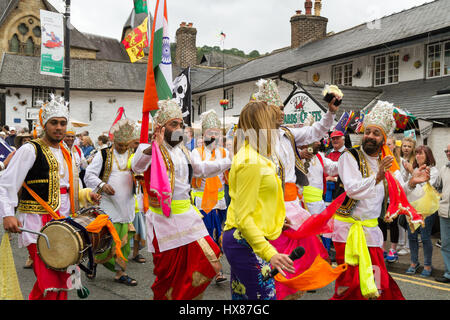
(140,6)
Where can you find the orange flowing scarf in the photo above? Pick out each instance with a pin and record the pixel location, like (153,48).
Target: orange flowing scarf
(97,225)
(319,275)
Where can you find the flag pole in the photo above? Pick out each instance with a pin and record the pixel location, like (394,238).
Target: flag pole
(67,52)
(223,81)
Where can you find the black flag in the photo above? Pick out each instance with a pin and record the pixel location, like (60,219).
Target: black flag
(182,93)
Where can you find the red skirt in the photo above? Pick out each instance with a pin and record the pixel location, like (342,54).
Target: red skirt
(347,286)
(185,272)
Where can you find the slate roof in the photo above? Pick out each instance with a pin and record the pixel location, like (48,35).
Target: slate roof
(355,98)
(217,59)
(108,48)
(406,25)
(16,70)
(420,97)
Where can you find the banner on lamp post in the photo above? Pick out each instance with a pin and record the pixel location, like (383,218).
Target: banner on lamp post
(52,43)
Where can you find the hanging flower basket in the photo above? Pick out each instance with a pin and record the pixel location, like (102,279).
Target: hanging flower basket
(224,103)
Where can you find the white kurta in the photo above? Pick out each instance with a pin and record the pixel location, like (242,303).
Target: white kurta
(195,156)
(315,178)
(177,229)
(120,206)
(302,136)
(370,197)
(11,181)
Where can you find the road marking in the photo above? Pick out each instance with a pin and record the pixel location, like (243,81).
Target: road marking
(420,282)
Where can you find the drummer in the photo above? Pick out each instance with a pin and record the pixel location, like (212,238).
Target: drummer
(109,172)
(44,168)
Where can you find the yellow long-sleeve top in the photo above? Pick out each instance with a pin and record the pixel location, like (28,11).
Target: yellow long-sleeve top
(257,207)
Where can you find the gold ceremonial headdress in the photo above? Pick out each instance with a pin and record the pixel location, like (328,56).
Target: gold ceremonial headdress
(55,108)
(125,131)
(168,110)
(210,120)
(268,92)
(382,117)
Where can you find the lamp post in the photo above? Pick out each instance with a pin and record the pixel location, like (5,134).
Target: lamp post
(67,52)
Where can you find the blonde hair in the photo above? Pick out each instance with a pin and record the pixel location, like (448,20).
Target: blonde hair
(256,122)
(397,149)
(88,140)
(413,152)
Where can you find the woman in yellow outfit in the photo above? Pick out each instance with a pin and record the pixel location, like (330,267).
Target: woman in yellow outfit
(256,213)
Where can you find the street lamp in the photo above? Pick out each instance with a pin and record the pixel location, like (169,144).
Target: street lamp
(67,52)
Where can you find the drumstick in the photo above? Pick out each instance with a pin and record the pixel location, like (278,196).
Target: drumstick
(38,233)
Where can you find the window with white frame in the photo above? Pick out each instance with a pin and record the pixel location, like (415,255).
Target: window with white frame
(228,94)
(438,62)
(343,74)
(42,94)
(386,69)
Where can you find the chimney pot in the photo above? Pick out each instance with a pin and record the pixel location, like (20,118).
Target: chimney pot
(183,24)
(308,7)
(317,7)
(190,24)
(298,11)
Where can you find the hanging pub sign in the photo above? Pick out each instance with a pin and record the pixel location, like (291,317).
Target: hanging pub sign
(297,107)
(52,43)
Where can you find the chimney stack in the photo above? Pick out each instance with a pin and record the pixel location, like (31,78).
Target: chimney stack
(186,52)
(307,27)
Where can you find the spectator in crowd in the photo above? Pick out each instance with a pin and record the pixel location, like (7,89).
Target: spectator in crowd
(407,156)
(102,141)
(443,186)
(87,146)
(12,135)
(190,140)
(21,139)
(424,155)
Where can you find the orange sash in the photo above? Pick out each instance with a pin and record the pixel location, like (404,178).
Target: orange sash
(290,191)
(212,185)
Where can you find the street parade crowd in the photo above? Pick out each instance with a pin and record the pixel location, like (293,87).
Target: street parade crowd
(288,215)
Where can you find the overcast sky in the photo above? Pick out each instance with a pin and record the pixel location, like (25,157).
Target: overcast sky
(249,24)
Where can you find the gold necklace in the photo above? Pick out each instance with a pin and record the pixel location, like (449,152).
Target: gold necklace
(117,162)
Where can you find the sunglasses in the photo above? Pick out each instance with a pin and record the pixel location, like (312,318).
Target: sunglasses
(447,151)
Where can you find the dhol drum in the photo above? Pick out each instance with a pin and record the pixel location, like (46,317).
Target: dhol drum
(70,243)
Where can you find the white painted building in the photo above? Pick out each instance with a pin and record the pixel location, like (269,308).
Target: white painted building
(403,58)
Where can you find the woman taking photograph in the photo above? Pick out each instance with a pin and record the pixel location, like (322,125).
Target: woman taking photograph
(256,213)
(424,155)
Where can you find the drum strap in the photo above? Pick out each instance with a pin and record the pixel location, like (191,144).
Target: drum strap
(85,234)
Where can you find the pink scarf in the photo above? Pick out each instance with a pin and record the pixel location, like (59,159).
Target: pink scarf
(159,182)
